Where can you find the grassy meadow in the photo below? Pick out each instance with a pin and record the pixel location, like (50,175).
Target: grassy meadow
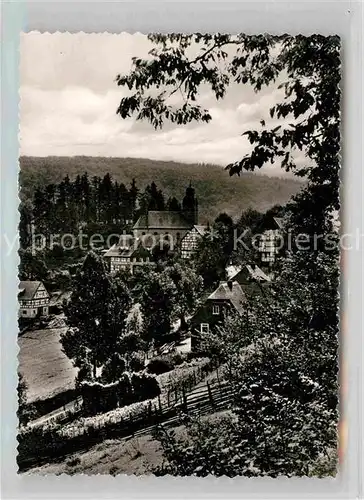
(46,369)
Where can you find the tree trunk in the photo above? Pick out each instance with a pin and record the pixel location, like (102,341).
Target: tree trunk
(183,323)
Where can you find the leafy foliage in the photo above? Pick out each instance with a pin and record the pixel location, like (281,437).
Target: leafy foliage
(157,299)
(160,365)
(285,380)
(113,368)
(32,265)
(165,295)
(307,69)
(281,361)
(214,250)
(25,411)
(188,286)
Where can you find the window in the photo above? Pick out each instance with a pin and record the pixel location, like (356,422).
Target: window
(205,328)
(24,312)
(215,309)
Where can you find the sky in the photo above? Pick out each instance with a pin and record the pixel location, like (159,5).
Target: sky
(69,97)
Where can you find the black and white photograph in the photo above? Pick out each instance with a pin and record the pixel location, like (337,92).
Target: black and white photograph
(179,255)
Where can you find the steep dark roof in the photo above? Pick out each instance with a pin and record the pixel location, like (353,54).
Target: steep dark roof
(27,289)
(201,229)
(162,219)
(117,251)
(234,294)
(141,223)
(257,274)
(270,222)
(234,272)
(127,246)
(279,221)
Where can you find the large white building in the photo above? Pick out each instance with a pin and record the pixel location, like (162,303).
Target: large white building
(177,229)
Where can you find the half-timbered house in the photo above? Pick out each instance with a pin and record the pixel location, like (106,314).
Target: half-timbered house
(33,299)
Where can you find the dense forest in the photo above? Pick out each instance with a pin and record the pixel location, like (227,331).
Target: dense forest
(92,203)
(215,190)
(53,219)
(97,206)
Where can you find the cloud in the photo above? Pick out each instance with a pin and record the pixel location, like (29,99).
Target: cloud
(69,99)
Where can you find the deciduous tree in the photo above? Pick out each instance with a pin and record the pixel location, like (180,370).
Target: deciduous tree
(96,315)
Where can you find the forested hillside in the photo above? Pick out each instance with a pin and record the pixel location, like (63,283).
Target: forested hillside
(216,191)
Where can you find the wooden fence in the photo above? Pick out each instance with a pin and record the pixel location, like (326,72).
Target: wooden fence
(191,397)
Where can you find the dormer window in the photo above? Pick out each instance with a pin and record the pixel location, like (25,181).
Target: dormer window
(215,309)
(204,328)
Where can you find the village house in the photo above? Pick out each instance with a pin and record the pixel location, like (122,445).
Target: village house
(127,254)
(227,298)
(191,240)
(270,240)
(33,299)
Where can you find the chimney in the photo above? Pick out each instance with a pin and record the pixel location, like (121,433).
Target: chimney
(230,284)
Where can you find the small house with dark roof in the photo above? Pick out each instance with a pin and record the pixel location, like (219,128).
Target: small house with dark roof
(33,299)
(228,298)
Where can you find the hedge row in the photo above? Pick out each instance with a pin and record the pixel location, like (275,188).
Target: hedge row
(100,398)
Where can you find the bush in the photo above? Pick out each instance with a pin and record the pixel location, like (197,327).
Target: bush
(71,462)
(98,398)
(113,368)
(166,363)
(84,373)
(193,355)
(137,362)
(144,386)
(125,391)
(177,358)
(160,365)
(44,406)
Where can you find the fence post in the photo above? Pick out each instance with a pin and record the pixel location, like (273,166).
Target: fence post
(218,377)
(210,394)
(184,398)
(160,403)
